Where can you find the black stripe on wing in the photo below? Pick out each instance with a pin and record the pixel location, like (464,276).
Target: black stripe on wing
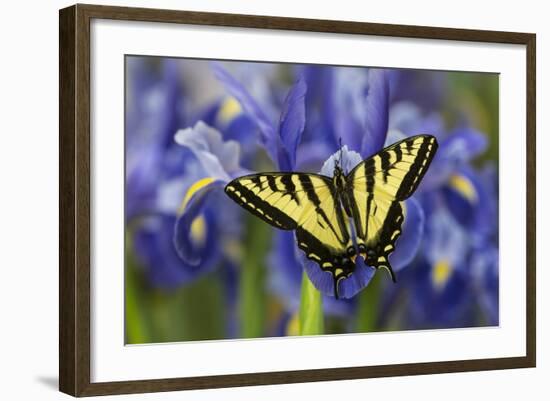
(338,263)
(380,247)
(246,198)
(277,198)
(423,159)
(325,222)
(413,155)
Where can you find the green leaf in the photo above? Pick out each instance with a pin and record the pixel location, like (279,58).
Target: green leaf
(198,311)
(195,311)
(311,309)
(136,322)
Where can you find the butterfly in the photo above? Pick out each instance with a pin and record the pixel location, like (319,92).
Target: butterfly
(340,217)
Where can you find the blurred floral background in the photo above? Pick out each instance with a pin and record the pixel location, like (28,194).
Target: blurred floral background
(198,267)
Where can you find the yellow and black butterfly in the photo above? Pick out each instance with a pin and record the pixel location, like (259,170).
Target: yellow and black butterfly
(323,209)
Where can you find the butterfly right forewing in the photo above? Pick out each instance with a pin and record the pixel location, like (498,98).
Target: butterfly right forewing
(378,186)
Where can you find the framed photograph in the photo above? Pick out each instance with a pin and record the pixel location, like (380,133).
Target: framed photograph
(250,200)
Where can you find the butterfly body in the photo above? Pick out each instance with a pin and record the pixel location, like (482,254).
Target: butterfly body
(351,214)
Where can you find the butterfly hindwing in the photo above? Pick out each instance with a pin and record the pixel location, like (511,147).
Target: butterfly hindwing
(378,185)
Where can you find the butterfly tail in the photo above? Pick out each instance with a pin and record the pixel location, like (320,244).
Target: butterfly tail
(391,272)
(336,282)
(386,265)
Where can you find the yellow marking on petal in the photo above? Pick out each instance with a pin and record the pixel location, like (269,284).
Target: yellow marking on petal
(441,272)
(293,325)
(229,109)
(463,186)
(198,230)
(193,189)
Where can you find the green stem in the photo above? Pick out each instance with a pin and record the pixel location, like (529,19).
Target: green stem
(367,308)
(311,309)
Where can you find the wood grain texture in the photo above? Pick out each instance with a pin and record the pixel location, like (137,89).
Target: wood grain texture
(74,198)
(67,295)
(74,206)
(301,24)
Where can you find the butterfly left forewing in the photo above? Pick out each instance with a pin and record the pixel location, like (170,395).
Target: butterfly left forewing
(277,198)
(305,203)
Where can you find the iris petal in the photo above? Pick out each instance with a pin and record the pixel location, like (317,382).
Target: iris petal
(348,287)
(376,112)
(287,262)
(413,230)
(286,269)
(219,159)
(471,203)
(154,247)
(291,125)
(445,239)
(250,107)
(485,273)
(190,250)
(455,151)
(322,280)
(463,144)
(348,159)
(361,277)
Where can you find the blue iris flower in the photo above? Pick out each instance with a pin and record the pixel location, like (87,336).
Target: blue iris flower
(162,176)
(457,267)
(219,163)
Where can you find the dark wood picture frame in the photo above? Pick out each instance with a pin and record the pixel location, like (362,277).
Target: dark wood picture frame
(74,199)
